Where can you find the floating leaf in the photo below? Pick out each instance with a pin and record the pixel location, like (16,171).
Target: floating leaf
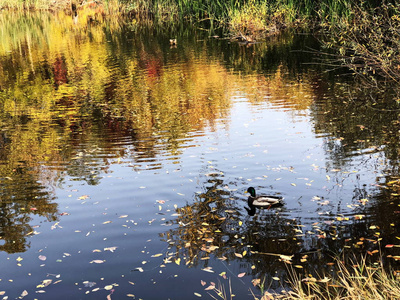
(108,287)
(197,294)
(203,283)
(276,278)
(241,274)
(97,261)
(112,249)
(286,258)
(46,283)
(157,255)
(178,261)
(239,255)
(208,269)
(42,257)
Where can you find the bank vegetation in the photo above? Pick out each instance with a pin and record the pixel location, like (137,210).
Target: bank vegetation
(364,35)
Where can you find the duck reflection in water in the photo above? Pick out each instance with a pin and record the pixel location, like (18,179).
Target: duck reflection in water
(262,201)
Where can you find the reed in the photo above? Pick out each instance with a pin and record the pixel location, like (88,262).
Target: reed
(218,9)
(354,280)
(359,280)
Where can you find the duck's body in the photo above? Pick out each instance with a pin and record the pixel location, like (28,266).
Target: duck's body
(263,201)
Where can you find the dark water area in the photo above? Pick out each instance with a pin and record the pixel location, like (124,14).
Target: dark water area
(124,161)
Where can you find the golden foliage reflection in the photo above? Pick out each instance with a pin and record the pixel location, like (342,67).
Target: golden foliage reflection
(71,88)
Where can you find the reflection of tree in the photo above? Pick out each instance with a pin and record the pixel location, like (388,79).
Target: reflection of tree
(360,125)
(355,122)
(21,196)
(216,225)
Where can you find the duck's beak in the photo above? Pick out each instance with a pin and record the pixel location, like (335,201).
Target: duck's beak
(246,192)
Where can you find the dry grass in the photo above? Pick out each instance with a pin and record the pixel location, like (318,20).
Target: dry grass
(356,282)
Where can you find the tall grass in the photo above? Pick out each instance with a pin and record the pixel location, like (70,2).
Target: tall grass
(355,280)
(198,9)
(358,281)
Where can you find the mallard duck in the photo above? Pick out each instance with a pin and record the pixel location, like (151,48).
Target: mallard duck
(263,201)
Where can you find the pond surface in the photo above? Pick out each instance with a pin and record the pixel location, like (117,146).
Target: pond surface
(124,161)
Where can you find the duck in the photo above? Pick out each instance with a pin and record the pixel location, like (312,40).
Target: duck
(262,201)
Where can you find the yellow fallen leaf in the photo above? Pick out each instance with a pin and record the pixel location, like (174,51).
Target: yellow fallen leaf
(157,255)
(276,278)
(178,261)
(298,266)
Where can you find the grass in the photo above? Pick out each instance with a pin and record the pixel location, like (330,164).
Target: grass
(358,281)
(354,280)
(285,11)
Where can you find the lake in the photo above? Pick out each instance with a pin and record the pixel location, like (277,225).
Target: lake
(124,161)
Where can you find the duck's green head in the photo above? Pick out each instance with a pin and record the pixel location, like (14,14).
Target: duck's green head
(251,191)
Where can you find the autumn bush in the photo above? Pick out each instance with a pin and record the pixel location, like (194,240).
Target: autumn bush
(368,41)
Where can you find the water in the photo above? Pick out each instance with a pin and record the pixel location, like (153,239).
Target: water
(124,161)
